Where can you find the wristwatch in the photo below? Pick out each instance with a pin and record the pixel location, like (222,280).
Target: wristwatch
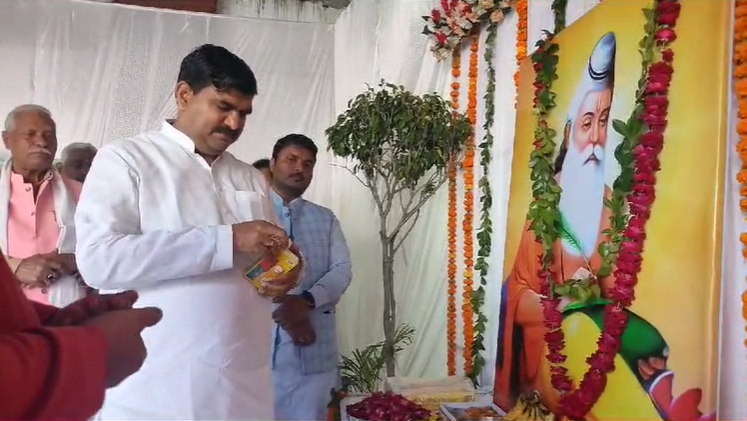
(309,298)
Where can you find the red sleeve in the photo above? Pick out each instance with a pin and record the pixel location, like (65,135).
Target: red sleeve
(52,374)
(45,312)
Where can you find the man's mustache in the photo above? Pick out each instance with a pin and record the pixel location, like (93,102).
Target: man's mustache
(44,151)
(593,155)
(228,132)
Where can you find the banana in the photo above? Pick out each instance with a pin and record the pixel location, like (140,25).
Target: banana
(517,412)
(545,414)
(529,407)
(529,413)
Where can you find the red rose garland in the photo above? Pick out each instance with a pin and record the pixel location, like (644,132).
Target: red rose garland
(577,403)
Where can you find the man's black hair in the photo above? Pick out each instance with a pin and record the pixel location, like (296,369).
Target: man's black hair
(294,140)
(212,65)
(261,164)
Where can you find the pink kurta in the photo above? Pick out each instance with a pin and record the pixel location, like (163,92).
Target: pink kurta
(32,225)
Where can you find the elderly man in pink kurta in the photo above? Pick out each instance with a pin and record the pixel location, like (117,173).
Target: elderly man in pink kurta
(37,206)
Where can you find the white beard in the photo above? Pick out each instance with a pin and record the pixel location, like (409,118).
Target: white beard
(582,199)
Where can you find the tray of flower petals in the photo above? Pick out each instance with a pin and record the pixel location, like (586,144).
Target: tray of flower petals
(386,406)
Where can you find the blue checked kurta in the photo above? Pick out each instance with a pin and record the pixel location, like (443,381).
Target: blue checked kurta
(303,376)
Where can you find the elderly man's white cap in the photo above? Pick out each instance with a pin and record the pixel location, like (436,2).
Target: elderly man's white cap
(599,73)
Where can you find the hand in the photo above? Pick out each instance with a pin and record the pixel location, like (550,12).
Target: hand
(68,262)
(279,286)
(293,310)
(92,306)
(122,329)
(302,334)
(40,271)
(259,238)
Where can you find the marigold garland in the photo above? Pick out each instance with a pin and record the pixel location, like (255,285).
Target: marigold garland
(739,59)
(447,25)
(468,164)
(521,39)
(451,273)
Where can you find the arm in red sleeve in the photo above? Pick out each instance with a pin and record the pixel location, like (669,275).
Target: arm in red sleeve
(52,374)
(45,312)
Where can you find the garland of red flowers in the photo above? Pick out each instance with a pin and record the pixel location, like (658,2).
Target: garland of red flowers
(468,164)
(643,140)
(451,272)
(739,60)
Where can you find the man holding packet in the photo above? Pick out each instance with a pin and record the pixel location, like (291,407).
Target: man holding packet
(169,213)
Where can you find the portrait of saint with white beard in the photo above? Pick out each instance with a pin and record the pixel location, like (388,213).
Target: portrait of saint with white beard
(580,172)
(581,160)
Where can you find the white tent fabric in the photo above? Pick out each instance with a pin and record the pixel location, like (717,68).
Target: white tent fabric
(107,71)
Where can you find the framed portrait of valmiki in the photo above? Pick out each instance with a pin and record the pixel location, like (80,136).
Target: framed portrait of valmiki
(667,362)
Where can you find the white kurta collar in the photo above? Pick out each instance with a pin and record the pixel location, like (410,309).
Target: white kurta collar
(181,139)
(177,136)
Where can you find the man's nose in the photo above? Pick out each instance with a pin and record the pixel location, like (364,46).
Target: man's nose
(234,121)
(41,141)
(594,135)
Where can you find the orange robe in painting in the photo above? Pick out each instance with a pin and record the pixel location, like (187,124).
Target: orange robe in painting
(522,320)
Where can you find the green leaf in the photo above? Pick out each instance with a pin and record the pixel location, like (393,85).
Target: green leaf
(562,289)
(582,295)
(604,270)
(566,234)
(620,127)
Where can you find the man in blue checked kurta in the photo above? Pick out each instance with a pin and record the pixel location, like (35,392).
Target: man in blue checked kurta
(305,356)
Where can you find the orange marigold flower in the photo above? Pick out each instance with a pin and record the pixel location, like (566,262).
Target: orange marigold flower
(740,86)
(740,50)
(742,127)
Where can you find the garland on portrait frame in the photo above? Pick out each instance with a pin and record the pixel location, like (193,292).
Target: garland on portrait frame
(634,188)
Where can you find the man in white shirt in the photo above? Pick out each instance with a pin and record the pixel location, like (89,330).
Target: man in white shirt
(164,213)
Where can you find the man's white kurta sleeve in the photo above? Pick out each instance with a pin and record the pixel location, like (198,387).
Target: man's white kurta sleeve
(113,253)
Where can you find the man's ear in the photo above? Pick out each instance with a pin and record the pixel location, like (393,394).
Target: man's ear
(182,93)
(5,139)
(272,165)
(567,133)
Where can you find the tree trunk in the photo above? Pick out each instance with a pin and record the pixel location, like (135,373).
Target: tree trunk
(390,319)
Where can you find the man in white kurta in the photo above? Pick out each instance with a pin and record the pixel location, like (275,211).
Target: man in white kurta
(161,213)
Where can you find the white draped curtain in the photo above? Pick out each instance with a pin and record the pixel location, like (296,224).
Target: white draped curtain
(107,72)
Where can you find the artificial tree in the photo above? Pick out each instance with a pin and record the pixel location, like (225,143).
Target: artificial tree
(400,146)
